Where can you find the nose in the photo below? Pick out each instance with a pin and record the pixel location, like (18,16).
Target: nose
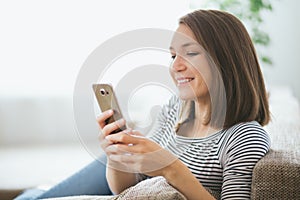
(178,64)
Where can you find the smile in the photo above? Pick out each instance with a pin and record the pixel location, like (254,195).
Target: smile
(184,81)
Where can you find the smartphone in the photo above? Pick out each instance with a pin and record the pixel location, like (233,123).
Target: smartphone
(107,100)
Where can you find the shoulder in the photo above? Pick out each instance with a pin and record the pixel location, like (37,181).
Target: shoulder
(166,120)
(168,113)
(174,102)
(245,144)
(250,135)
(247,129)
(172,107)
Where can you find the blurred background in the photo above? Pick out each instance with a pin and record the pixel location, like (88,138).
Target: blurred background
(43,45)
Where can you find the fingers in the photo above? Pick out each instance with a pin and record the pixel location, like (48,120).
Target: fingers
(136,133)
(124,137)
(123,142)
(115,149)
(104,116)
(110,128)
(126,142)
(123,158)
(107,129)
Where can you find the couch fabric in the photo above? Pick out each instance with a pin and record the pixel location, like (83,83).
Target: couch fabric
(277,176)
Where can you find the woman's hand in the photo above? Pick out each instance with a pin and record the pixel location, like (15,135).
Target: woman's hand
(107,129)
(138,153)
(130,151)
(117,178)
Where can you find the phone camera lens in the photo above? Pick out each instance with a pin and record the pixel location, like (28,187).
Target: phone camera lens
(102,92)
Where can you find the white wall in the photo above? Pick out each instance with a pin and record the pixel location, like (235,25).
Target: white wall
(43,44)
(283,25)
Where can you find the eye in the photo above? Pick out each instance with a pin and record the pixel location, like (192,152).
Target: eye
(173,56)
(192,53)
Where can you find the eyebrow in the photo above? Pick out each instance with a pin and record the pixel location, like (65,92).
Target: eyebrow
(185,45)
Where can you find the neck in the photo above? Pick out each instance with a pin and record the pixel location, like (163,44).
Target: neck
(202,109)
(201,123)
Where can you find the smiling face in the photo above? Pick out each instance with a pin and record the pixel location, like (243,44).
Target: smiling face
(189,69)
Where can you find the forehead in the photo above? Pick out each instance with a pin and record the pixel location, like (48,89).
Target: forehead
(185,30)
(183,36)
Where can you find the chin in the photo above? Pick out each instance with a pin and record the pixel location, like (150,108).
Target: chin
(192,95)
(187,95)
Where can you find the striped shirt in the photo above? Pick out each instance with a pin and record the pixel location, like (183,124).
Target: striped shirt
(223,161)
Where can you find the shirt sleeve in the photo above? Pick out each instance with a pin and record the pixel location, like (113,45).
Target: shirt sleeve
(247,144)
(165,120)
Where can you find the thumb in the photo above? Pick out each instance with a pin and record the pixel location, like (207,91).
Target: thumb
(135,133)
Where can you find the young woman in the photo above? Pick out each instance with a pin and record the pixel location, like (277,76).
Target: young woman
(208,139)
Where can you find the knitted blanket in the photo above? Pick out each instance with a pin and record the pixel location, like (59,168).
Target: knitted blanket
(155,188)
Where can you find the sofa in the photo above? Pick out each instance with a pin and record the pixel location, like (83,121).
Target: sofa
(277,175)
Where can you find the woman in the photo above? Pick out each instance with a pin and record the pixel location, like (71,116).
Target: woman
(218,155)
(209,138)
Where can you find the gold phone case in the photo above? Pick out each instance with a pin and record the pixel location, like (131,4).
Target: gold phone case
(107,100)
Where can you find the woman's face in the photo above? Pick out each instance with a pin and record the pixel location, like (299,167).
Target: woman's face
(189,68)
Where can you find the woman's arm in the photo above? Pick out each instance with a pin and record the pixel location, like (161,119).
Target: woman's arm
(119,180)
(181,178)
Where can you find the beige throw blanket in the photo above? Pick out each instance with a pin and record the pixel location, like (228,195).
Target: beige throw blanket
(155,188)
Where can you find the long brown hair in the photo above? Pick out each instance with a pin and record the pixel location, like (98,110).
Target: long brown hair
(228,43)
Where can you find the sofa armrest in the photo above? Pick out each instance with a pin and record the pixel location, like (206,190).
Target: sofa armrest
(9,194)
(277,176)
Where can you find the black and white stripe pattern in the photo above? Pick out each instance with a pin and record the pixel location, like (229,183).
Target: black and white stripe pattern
(223,162)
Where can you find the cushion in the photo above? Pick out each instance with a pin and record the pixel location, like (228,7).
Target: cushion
(155,188)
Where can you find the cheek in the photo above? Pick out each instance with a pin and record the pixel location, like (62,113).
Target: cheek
(201,86)
(204,73)
(203,82)
(207,78)
(172,74)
